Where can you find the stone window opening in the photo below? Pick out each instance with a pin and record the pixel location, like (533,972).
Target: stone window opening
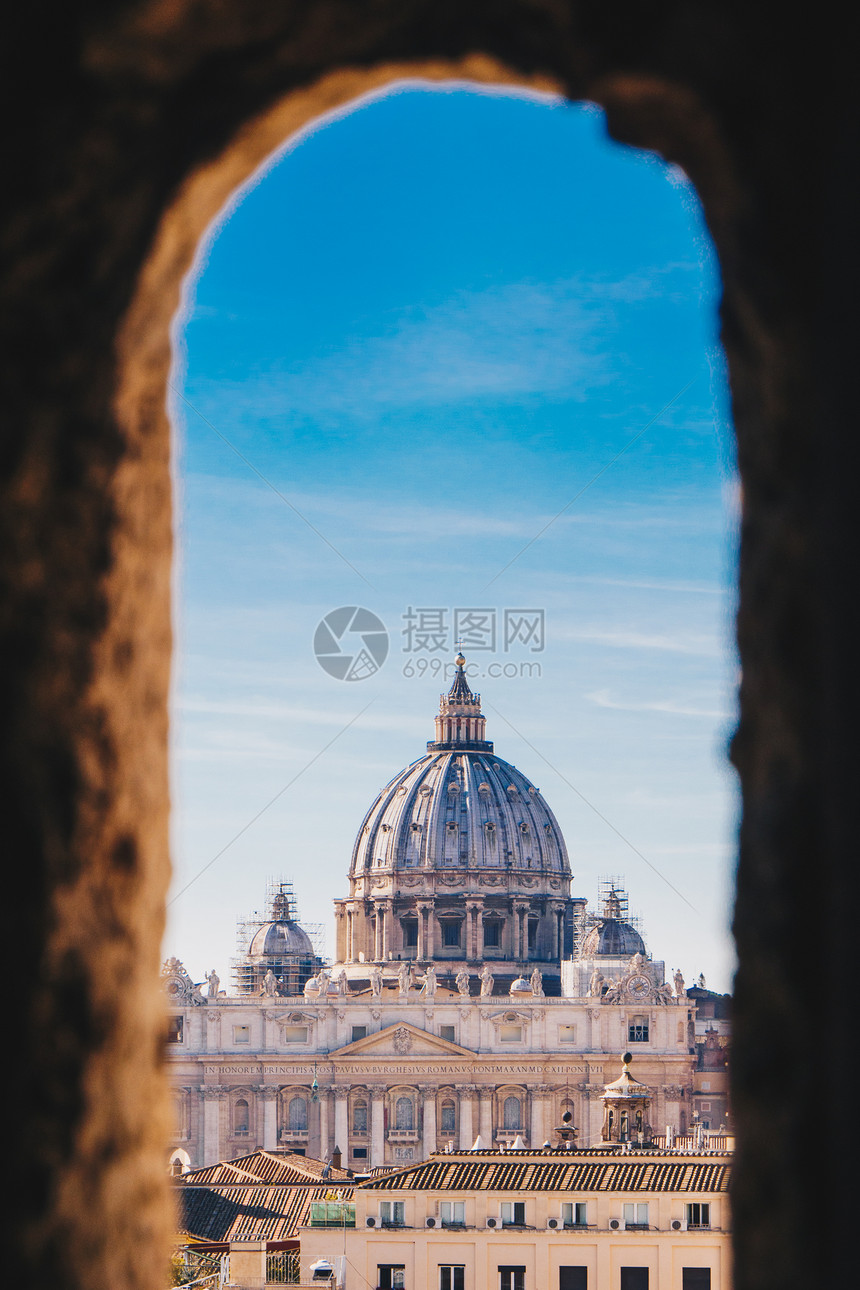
(165,280)
(404,1115)
(241,1116)
(297,1115)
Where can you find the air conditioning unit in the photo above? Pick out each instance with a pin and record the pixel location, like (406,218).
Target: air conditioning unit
(370,1222)
(614,1224)
(676,1224)
(429,1222)
(491,1222)
(553,1222)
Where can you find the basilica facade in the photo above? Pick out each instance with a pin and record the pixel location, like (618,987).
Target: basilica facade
(472,996)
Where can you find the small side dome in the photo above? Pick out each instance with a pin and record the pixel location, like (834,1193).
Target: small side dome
(520,986)
(613,938)
(281,940)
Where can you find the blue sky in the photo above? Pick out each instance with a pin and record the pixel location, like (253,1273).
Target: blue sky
(455,350)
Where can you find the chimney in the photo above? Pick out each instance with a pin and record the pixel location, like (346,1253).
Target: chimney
(336,1158)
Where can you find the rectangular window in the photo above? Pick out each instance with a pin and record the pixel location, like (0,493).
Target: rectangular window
(635,1215)
(359,1032)
(410,933)
(511,1034)
(332,1213)
(453,1213)
(391,1276)
(359,1153)
(452,1276)
(532,934)
(241,1034)
(449,1033)
(574,1213)
(637,1031)
(295,1034)
(174,1029)
(450,933)
(392,1213)
(567,1034)
(695,1279)
(573,1277)
(513,1213)
(698,1215)
(492,935)
(634,1279)
(512,1278)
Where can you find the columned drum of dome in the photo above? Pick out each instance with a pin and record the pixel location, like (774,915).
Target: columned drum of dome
(459,861)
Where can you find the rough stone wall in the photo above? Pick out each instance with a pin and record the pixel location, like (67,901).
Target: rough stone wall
(129,125)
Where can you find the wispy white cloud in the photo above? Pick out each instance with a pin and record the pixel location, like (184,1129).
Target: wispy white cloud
(618,638)
(516,340)
(673,707)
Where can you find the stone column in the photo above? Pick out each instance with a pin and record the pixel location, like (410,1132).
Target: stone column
(479,931)
(467,1136)
(386,929)
(521,911)
(269,1097)
(538,1130)
(324,1106)
(474,934)
(485,1125)
(213,1099)
(377,1127)
(429,1135)
(431,929)
(422,921)
(557,911)
(341,1120)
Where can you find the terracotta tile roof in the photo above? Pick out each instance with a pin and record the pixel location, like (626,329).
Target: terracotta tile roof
(572,1172)
(264,1196)
(279,1168)
(258,1213)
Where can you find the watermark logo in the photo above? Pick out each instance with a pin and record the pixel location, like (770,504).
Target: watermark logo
(351,643)
(436,630)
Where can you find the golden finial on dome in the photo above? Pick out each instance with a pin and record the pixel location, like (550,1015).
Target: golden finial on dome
(460,659)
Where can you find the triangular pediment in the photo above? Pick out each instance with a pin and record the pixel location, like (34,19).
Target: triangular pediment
(402,1039)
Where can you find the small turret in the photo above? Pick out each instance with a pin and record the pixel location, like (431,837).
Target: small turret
(625,1108)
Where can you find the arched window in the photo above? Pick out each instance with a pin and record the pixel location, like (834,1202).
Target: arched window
(404,1114)
(448,1117)
(359,1117)
(512,1113)
(241,1116)
(298,1114)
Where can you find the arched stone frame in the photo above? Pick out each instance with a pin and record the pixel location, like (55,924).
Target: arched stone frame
(287,1132)
(398,1126)
(447,1113)
(179,1162)
(507,1124)
(359,1096)
(670,79)
(241,1111)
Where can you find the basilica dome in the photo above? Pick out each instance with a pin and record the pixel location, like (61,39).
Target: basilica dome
(459,859)
(460,810)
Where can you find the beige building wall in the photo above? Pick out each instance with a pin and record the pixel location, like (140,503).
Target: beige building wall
(541,1250)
